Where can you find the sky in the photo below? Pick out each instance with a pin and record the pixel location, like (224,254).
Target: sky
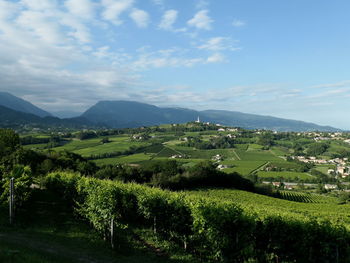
(287,59)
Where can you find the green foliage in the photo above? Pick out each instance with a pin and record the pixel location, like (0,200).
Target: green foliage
(316,149)
(285,166)
(168,167)
(9,142)
(22,181)
(100,204)
(203,174)
(304,197)
(286,176)
(266,140)
(344,197)
(243,167)
(216,142)
(321,177)
(27,140)
(105,140)
(84,135)
(64,184)
(222,231)
(213,227)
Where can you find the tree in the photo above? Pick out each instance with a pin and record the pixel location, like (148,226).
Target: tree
(315,149)
(105,140)
(266,140)
(9,142)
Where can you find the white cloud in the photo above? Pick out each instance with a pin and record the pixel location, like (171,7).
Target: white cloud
(42,25)
(201,20)
(40,5)
(219,43)
(78,30)
(81,8)
(168,19)
(216,58)
(201,4)
(114,8)
(238,23)
(330,93)
(41,58)
(158,2)
(140,17)
(7,9)
(53,25)
(173,57)
(102,52)
(48,52)
(345,83)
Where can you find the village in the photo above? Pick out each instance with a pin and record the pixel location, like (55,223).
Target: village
(341,164)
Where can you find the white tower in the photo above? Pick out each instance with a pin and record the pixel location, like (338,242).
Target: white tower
(198,121)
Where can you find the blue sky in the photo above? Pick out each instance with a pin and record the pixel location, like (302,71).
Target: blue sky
(282,58)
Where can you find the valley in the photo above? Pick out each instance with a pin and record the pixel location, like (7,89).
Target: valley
(264,180)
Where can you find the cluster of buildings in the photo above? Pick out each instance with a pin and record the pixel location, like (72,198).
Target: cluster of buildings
(221,129)
(176,156)
(341,170)
(217,158)
(342,167)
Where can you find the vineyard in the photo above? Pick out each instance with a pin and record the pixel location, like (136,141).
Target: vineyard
(316,206)
(242,167)
(306,197)
(220,225)
(285,175)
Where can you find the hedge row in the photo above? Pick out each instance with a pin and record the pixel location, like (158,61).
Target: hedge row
(219,231)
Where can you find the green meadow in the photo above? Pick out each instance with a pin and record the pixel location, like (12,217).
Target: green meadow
(285,175)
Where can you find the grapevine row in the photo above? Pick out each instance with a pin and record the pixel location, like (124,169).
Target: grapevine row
(212,229)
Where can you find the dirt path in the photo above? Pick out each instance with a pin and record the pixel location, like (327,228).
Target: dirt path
(258,168)
(238,158)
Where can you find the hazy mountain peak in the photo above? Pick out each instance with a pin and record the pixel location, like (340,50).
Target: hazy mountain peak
(15,103)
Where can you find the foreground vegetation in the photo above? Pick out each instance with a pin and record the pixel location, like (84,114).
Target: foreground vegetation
(214,225)
(47,230)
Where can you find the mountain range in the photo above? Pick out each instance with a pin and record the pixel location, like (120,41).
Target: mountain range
(15,111)
(12,102)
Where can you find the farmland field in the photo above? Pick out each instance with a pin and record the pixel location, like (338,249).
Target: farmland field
(95,147)
(285,175)
(324,168)
(242,167)
(134,158)
(257,155)
(35,146)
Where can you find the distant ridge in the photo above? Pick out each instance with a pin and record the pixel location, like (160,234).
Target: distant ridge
(12,102)
(10,118)
(15,112)
(253,121)
(123,114)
